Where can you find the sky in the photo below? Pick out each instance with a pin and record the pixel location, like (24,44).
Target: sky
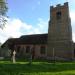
(31,17)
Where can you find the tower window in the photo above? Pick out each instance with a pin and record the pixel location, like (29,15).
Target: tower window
(58,15)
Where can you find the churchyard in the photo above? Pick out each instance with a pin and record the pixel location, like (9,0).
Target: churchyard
(36,68)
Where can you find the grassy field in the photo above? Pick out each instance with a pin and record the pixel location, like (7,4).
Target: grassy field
(37,68)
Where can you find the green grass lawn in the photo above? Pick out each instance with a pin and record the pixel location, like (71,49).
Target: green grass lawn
(37,68)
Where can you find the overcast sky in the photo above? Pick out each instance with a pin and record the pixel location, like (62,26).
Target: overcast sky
(31,17)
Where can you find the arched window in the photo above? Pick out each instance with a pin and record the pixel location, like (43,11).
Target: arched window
(42,50)
(27,49)
(18,49)
(58,15)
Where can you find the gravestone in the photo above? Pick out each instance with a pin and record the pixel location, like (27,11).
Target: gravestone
(13,57)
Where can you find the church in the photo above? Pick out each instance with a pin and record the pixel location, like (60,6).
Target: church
(57,44)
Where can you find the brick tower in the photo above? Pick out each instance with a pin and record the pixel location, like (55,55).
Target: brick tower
(60,43)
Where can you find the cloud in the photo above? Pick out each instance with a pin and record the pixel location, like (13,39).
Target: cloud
(15,28)
(42,25)
(38,2)
(71,2)
(72,15)
(73,35)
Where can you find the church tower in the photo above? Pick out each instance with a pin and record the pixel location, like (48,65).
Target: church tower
(60,33)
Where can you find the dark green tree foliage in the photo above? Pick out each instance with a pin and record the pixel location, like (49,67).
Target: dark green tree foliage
(3,10)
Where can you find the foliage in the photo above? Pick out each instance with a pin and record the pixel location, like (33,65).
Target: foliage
(37,68)
(3,10)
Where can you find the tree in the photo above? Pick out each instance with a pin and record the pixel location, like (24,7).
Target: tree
(3,10)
